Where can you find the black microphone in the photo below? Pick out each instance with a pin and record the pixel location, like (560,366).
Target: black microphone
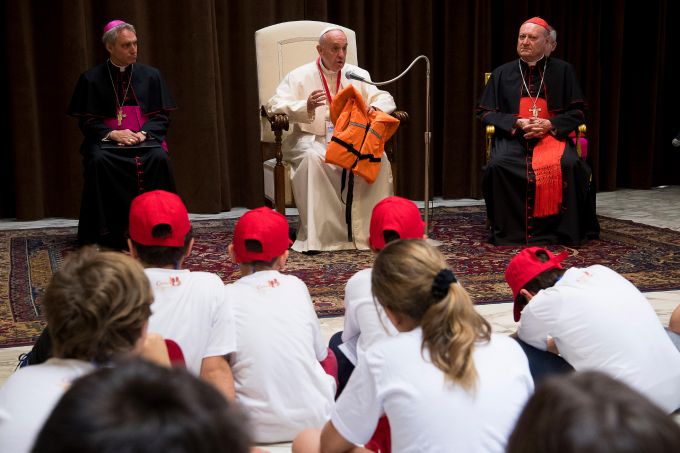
(675,142)
(353,75)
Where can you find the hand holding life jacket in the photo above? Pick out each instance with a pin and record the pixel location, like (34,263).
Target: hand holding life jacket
(358,140)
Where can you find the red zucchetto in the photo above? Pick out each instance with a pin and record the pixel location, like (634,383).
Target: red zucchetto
(538,21)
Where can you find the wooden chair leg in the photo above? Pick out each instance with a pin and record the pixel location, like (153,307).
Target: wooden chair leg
(280,187)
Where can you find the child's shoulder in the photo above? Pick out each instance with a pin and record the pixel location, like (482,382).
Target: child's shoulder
(290,282)
(273,279)
(205,277)
(361,276)
(499,342)
(155,273)
(402,343)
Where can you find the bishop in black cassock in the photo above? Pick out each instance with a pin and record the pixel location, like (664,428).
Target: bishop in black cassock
(123,112)
(537,189)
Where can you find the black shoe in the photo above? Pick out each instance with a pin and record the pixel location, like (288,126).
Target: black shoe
(311,252)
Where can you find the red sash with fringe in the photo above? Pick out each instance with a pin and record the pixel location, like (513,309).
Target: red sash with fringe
(546,163)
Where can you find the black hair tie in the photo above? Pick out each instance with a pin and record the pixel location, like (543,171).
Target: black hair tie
(441,283)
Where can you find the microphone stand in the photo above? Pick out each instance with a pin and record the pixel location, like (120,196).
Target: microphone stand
(428,133)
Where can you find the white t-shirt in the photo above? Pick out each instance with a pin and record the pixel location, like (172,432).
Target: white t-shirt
(600,321)
(278,378)
(189,308)
(365,320)
(427,413)
(28,397)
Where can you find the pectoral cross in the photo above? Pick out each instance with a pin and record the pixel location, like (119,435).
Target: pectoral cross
(534,110)
(122,115)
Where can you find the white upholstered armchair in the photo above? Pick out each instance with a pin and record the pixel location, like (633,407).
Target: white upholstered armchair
(281,48)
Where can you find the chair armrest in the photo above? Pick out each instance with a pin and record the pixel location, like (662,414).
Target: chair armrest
(401,115)
(278,121)
(490,130)
(580,131)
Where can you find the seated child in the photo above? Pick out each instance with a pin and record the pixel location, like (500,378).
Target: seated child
(188,306)
(445,382)
(97,308)
(138,406)
(392,218)
(278,378)
(592,412)
(596,320)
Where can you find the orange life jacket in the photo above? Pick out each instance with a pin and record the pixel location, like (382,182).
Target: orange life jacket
(358,140)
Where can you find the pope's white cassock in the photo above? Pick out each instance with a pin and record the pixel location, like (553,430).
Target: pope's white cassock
(316,184)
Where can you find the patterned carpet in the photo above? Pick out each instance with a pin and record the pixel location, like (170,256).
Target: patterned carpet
(648,256)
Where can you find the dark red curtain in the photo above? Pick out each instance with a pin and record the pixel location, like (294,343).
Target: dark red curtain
(622,51)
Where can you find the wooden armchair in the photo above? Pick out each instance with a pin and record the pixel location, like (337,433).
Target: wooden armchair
(491,130)
(281,48)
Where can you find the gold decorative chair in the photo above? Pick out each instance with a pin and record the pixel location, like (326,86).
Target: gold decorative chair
(279,49)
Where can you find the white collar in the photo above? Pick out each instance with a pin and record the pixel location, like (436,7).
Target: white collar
(532,63)
(120,68)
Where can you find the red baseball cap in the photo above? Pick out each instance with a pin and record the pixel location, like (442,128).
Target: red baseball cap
(266,226)
(525,266)
(395,214)
(538,21)
(158,207)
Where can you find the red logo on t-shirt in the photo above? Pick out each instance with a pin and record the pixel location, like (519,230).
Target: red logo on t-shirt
(172,281)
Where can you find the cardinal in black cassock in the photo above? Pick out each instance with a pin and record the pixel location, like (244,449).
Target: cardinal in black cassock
(537,189)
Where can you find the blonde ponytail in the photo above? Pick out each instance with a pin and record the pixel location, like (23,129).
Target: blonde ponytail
(451,327)
(403,280)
